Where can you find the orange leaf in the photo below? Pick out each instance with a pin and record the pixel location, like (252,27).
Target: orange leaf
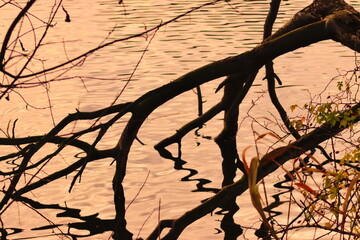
(306,187)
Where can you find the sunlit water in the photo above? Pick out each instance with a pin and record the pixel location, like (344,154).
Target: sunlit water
(212,33)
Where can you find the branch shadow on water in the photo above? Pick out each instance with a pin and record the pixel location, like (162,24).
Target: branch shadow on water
(87,226)
(179,165)
(229,228)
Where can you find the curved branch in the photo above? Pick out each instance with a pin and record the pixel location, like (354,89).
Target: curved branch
(198,122)
(11,30)
(248,62)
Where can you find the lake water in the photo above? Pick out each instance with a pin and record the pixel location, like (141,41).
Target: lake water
(212,33)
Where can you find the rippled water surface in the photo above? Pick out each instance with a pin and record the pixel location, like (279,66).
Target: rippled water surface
(211,33)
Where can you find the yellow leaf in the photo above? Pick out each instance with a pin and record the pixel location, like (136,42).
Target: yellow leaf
(327,225)
(292,107)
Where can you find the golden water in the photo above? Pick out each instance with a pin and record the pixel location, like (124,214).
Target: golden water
(213,33)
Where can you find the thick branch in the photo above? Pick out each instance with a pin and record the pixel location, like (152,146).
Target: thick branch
(234,94)
(315,12)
